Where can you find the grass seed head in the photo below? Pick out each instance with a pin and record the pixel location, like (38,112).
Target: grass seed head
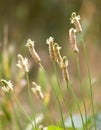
(75,19)
(37,90)
(7,85)
(65,72)
(58,56)
(50,42)
(72,39)
(22,63)
(34,54)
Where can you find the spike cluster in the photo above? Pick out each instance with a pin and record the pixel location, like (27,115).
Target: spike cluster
(65,72)
(22,63)
(58,56)
(50,42)
(41,127)
(72,39)
(30,45)
(37,90)
(75,19)
(55,55)
(7,85)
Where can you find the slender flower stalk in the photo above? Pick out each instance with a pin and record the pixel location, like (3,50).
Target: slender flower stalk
(69,88)
(30,99)
(8,87)
(34,54)
(75,19)
(56,95)
(72,39)
(66,103)
(23,110)
(22,63)
(90,82)
(82,94)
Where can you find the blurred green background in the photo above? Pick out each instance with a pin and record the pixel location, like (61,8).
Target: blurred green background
(38,19)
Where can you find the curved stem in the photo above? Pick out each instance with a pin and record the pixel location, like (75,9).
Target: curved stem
(66,103)
(30,99)
(69,88)
(56,95)
(90,83)
(27,116)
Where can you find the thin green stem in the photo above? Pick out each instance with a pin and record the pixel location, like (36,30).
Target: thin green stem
(66,103)
(30,99)
(14,116)
(27,116)
(82,94)
(90,83)
(69,88)
(56,95)
(48,115)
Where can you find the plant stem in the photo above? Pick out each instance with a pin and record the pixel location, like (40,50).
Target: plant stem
(14,116)
(90,83)
(69,88)
(66,103)
(82,95)
(30,99)
(27,116)
(56,95)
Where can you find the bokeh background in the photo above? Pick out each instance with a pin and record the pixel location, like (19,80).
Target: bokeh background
(39,19)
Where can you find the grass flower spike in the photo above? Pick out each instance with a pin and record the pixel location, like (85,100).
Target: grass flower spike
(75,19)
(30,45)
(41,127)
(50,42)
(22,63)
(7,85)
(37,89)
(58,56)
(72,39)
(64,69)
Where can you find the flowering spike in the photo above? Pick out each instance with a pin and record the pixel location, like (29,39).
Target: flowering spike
(7,85)
(30,45)
(22,63)
(64,69)
(50,42)
(75,19)
(37,89)
(41,127)
(72,39)
(58,56)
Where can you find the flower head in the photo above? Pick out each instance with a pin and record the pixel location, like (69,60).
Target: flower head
(7,85)
(50,42)
(58,56)
(41,127)
(75,19)
(22,63)
(72,39)
(30,45)
(37,90)
(65,72)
